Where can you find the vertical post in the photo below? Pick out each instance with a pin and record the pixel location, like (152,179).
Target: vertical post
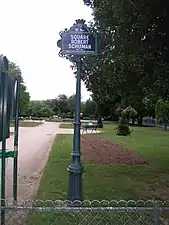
(76,168)
(156,213)
(4,94)
(16,131)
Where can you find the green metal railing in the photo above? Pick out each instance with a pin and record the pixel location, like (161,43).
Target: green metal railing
(9,109)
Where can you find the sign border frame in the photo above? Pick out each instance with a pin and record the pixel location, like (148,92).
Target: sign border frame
(66,52)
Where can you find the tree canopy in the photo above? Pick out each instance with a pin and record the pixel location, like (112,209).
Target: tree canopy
(15,71)
(62,106)
(133,65)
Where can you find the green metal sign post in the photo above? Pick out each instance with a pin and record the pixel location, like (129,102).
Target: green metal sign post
(9,108)
(77,42)
(16,97)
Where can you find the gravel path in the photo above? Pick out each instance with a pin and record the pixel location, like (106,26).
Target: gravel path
(34,147)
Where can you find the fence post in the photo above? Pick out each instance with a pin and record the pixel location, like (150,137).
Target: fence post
(156,213)
(3,130)
(16,118)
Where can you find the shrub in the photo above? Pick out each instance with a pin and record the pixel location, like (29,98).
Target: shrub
(99,123)
(123,127)
(129,112)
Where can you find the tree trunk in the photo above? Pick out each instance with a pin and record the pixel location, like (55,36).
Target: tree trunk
(140,120)
(99,122)
(165,124)
(133,120)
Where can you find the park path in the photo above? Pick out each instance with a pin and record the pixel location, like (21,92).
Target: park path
(34,148)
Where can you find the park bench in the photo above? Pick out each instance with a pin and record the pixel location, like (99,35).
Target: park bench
(86,127)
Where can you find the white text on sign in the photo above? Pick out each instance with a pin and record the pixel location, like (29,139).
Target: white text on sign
(79,41)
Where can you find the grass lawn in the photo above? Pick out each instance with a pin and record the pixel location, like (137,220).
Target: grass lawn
(66,125)
(27,124)
(111,181)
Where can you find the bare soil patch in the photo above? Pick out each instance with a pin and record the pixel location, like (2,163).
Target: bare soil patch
(98,150)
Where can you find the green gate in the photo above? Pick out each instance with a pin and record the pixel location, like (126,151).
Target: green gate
(9,109)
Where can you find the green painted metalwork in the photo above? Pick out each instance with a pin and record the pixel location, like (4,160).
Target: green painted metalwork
(16,130)
(76,168)
(9,105)
(9,154)
(4,134)
(75,55)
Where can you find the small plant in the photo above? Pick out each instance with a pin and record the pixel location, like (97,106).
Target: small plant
(123,127)
(99,122)
(129,112)
(162,111)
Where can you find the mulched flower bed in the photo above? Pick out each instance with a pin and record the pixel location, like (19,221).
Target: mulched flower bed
(98,150)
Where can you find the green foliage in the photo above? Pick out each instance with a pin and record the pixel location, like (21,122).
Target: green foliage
(89,109)
(71,104)
(123,130)
(62,106)
(134,57)
(46,111)
(24,100)
(40,109)
(100,122)
(63,115)
(162,110)
(15,71)
(123,127)
(129,112)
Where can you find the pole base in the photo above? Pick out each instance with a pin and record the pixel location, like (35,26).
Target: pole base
(75,183)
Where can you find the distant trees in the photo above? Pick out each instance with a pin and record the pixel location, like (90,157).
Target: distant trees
(15,71)
(89,109)
(62,106)
(162,111)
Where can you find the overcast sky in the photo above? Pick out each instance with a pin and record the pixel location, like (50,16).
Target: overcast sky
(29,30)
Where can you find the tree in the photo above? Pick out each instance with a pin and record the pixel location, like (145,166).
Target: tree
(46,111)
(134,62)
(34,108)
(123,126)
(71,104)
(162,111)
(62,103)
(129,113)
(40,109)
(14,71)
(89,108)
(24,101)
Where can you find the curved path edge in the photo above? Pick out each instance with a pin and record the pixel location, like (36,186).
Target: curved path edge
(34,148)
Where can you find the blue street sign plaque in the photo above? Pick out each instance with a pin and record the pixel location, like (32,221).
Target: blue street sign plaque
(79,43)
(79,40)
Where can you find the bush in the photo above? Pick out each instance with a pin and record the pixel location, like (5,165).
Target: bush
(99,123)
(129,112)
(123,127)
(67,120)
(53,120)
(63,115)
(36,118)
(123,130)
